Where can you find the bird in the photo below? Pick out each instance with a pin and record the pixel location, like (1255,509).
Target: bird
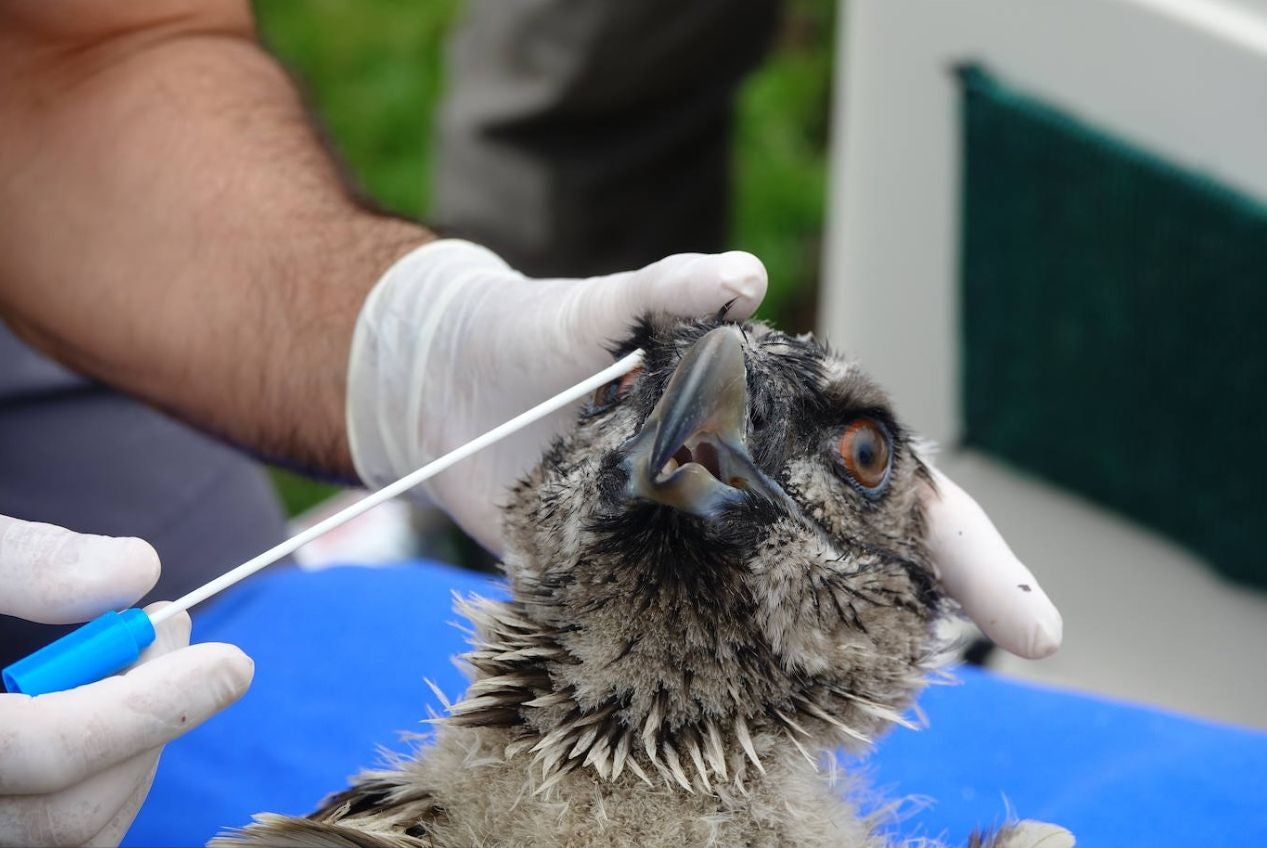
(718,577)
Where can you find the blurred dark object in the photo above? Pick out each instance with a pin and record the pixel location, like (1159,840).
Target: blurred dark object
(583,139)
(1113,314)
(978,652)
(372,72)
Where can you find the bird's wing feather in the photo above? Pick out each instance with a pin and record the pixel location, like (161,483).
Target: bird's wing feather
(289,832)
(383,810)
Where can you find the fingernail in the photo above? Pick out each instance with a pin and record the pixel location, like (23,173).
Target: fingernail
(745,289)
(1045,636)
(241,668)
(742,275)
(135,556)
(229,674)
(108,572)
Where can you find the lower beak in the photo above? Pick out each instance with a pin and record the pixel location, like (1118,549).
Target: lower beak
(692,452)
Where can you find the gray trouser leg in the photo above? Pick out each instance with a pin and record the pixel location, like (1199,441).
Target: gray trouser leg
(588,136)
(75,453)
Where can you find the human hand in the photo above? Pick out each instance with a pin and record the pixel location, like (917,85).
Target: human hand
(978,569)
(453,341)
(76,765)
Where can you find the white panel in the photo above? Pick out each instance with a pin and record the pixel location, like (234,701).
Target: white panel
(1184,78)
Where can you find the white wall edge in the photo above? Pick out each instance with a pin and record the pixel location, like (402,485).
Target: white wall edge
(1234,24)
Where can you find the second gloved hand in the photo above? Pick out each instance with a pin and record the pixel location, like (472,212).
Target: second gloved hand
(76,765)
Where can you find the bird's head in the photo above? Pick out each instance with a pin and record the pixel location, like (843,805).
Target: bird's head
(726,551)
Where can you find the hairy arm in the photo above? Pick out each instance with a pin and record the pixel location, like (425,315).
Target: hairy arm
(174,226)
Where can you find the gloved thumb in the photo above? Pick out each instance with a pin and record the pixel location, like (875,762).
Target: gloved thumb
(691,285)
(980,571)
(54,576)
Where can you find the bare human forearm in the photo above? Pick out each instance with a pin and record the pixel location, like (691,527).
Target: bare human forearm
(173,226)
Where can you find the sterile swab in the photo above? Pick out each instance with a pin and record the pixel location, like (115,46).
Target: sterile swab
(114,640)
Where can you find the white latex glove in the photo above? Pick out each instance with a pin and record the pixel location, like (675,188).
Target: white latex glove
(979,570)
(452,342)
(75,766)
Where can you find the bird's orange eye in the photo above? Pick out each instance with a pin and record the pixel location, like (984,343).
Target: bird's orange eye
(616,389)
(865,451)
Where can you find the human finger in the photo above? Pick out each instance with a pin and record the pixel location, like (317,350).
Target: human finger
(55,576)
(979,570)
(75,815)
(112,833)
(66,736)
(98,806)
(693,285)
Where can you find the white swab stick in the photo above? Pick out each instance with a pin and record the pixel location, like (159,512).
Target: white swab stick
(404,484)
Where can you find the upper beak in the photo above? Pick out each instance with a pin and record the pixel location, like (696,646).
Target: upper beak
(692,451)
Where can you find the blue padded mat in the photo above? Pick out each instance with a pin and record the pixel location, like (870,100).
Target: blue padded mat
(341,657)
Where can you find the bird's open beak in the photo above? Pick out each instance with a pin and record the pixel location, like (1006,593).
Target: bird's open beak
(692,453)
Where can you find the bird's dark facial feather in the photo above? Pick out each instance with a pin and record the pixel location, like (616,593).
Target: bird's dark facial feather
(768,605)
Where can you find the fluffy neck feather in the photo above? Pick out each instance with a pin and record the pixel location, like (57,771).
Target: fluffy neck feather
(515,687)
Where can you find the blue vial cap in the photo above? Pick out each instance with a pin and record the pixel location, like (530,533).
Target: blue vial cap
(103,646)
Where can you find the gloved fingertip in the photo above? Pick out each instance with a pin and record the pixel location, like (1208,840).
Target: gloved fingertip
(1013,611)
(233,669)
(980,571)
(62,577)
(696,285)
(129,563)
(744,277)
(200,680)
(205,678)
(1045,636)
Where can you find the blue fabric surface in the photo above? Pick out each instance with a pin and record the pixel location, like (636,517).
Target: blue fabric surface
(341,658)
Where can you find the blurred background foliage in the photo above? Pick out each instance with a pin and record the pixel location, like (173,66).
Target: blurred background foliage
(372,72)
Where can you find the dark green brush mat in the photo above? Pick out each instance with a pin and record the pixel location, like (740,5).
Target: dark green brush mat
(1114,311)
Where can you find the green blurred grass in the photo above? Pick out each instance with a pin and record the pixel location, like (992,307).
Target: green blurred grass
(371,71)
(781,162)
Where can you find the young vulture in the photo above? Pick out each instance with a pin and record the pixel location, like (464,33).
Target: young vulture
(718,578)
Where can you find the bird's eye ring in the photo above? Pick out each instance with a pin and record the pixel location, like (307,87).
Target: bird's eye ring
(866,450)
(616,390)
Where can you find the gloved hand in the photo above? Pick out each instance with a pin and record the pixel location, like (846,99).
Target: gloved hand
(75,766)
(452,342)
